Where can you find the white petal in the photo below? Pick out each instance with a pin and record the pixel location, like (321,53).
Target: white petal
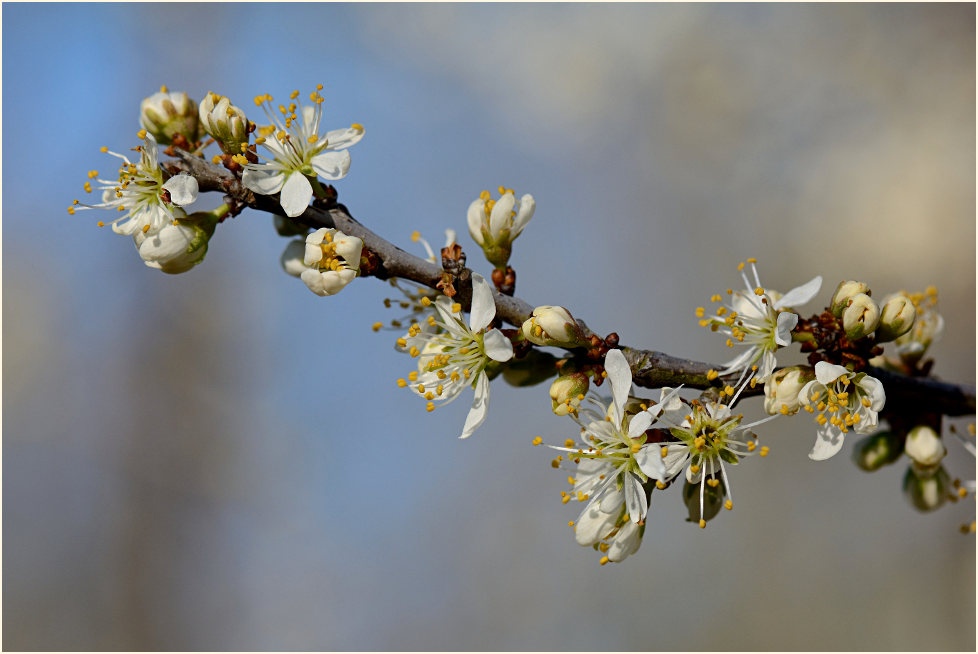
(332,165)
(826,373)
(626,542)
(786,322)
(340,139)
(874,389)
(612,499)
(497,346)
(675,460)
(635,500)
(480,406)
(527,207)
(296,194)
(620,378)
(800,295)
(649,459)
(292,258)
(639,423)
(593,525)
(263,182)
(182,188)
(740,362)
(827,444)
(314,280)
(499,218)
(483,304)
(474,216)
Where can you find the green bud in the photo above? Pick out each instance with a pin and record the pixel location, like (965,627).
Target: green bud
(926,492)
(842,294)
(534,368)
(861,316)
(567,391)
(713,501)
(896,318)
(225,122)
(880,449)
(165,114)
(286,227)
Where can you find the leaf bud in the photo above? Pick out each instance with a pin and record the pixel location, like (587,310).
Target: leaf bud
(924,447)
(713,500)
(782,389)
(567,391)
(880,449)
(166,114)
(225,122)
(896,318)
(860,317)
(842,294)
(555,326)
(926,492)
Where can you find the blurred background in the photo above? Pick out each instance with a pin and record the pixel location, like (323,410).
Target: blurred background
(222,460)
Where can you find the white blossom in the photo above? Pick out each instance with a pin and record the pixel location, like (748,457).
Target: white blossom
(332,260)
(841,400)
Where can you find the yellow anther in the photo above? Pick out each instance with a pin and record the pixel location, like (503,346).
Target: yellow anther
(145,228)
(414,351)
(758,291)
(456,307)
(604,559)
(429,395)
(401,342)
(376,326)
(71,211)
(702,523)
(100,224)
(713,483)
(729,390)
(604,374)
(103,149)
(700,311)
(401,383)
(163,89)
(694,468)
(716,297)
(536,441)
(751,446)
(712,374)
(570,524)
(705,321)
(664,452)
(141,133)
(430,407)
(740,266)
(728,505)
(765,450)
(357,126)
(729,343)
(312,138)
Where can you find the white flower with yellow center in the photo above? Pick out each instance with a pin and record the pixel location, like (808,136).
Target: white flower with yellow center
(298,152)
(759,319)
(146,200)
(331,260)
(841,400)
(614,461)
(455,356)
(708,436)
(495,224)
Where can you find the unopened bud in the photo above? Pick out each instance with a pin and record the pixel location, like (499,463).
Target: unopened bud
(555,326)
(495,224)
(924,447)
(179,246)
(286,227)
(845,290)
(896,318)
(926,492)
(165,114)
(225,122)
(782,389)
(567,391)
(878,450)
(861,317)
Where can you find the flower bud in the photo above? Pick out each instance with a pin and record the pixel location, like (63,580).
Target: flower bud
(225,122)
(179,246)
(534,368)
(896,318)
(840,300)
(285,227)
(926,492)
(332,259)
(495,224)
(861,317)
(165,114)
(924,447)
(782,389)
(567,391)
(555,326)
(878,450)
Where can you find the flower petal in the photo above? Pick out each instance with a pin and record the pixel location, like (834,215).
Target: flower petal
(800,295)
(620,377)
(264,182)
(499,218)
(786,322)
(826,373)
(593,525)
(497,347)
(182,188)
(639,423)
(827,444)
(527,206)
(635,500)
(483,304)
(332,165)
(626,542)
(474,216)
(480,406)
(649,460)
(340,139)
(296,194)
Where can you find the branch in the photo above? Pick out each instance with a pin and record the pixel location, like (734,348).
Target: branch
(650,369)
